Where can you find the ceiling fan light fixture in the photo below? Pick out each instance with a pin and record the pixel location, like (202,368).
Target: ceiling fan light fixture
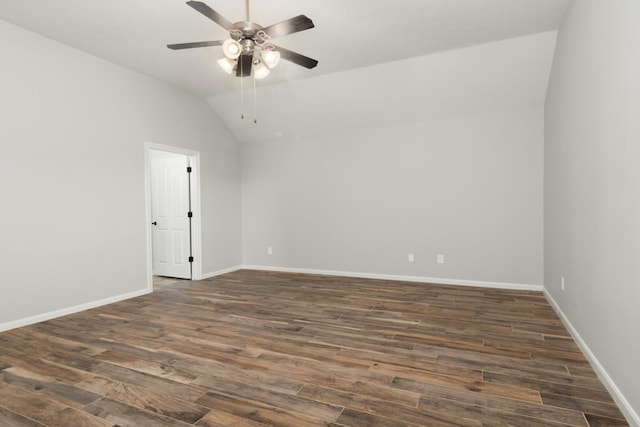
(248,49)
(227,64)
(271,58)
(231,48)
(260,70)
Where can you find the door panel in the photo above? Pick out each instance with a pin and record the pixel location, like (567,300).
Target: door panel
(169,209)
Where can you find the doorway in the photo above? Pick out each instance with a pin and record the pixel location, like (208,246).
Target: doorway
(173,214)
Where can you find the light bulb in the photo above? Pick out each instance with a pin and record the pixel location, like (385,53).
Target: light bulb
(231,49)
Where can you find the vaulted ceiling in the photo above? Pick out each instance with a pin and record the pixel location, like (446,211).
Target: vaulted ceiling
(348,35)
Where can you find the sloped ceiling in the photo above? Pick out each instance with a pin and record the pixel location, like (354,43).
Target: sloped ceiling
(349,36)
(508,74)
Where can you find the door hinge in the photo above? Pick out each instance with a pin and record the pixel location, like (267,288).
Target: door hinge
(189,214)
(190,259)
(188,169)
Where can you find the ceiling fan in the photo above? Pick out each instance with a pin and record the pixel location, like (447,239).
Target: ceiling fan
(249,45)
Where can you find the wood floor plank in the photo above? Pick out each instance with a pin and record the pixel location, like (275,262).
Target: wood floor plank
(584,371)
(351,417)
(58,391)
(546,384)
(33,405)
(71,417)
(255,348)
(588,406)
(152,368)
(259,412)
(523,368)
(144,398)
(373,406)
(599,421)
(117,413)
(355,381)
(46,368)
(11,419)
(457,382)
(300,405)
(570,417)
(217,418)
(188,392)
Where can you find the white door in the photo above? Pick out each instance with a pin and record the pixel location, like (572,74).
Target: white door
(169,211)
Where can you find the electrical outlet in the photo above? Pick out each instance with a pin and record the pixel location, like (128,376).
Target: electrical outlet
(562,283)
(411,258)
(440,259)
(269,250)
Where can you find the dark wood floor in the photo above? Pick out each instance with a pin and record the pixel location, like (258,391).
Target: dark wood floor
(253,348)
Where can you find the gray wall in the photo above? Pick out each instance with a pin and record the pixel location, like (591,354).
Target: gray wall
(73,223)
(438,154)
(468,187)
(592,183)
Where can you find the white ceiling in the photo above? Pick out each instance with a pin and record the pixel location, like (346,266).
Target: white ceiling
(379,61)
(500,76)
(349,34)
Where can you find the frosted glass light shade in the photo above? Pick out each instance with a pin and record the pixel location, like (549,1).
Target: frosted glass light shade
(227,64)
(231,48)
(260,70)
(271,58)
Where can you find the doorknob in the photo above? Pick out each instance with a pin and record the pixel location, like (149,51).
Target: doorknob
(154,223)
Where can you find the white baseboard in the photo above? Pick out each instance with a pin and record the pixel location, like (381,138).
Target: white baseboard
(631,415)
(78,308)
(223,271)
(70,310)
(420,279)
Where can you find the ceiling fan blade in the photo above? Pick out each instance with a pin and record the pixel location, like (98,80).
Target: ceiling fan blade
(296,58)
(289,26)
(178,46)
(243,69)
(211,14)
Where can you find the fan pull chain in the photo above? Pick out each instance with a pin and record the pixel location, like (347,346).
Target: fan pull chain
(255,102)
(241,90)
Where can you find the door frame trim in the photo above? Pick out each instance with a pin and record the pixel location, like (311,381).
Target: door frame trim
(196,230)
